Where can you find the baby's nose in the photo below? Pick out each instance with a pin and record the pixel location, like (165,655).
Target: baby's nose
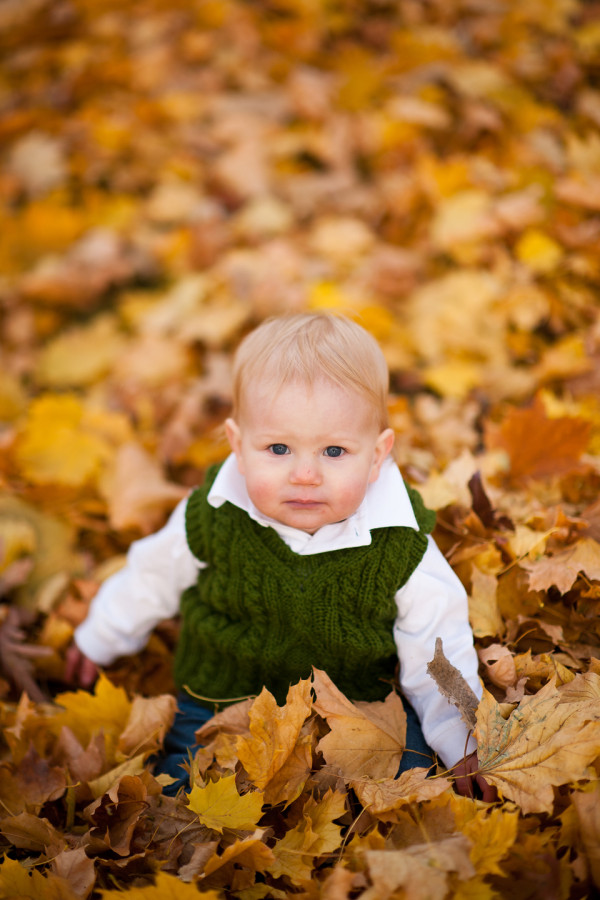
(306,472)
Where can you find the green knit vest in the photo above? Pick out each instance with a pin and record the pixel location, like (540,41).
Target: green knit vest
(262,615)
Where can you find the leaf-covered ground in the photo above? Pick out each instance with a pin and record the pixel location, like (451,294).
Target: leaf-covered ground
(171,173)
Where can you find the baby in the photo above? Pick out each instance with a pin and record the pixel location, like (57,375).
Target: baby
(304,548)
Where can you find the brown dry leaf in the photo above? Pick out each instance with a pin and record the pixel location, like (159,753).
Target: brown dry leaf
(149,720)
(30,832)
(365,739)
(75,867)
(543,743)
(587,809)
(499,665)
(452,685)
(114,816)
(274,731)
(539,446)
(562,569)
(31,783)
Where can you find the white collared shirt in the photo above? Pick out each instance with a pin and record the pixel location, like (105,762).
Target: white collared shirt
(431,604)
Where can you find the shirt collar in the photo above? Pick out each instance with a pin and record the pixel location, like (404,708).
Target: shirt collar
(386,504)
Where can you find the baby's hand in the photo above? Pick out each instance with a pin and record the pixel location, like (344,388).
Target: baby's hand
(79,669)
(469,784)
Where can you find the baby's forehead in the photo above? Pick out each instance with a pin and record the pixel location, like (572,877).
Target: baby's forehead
(264,398)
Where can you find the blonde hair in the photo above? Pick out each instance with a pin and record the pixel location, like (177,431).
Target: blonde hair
(310,346)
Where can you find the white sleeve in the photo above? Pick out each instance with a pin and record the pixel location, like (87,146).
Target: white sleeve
(147,590)
(433,603)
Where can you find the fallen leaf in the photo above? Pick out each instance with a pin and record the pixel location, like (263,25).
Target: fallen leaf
(219,805)
(315,835)
(543,743)
(562,569)
(453,685)
(137,491)
(538,446)
(165,887)
(364,739)
(274,731)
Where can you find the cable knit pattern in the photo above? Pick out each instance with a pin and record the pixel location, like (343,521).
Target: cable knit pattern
(263,615)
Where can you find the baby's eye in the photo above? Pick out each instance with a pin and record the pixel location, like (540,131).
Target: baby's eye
(334,452)
(279,449)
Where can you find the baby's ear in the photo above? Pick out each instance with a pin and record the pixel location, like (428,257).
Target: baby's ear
(232,430)
(383,448)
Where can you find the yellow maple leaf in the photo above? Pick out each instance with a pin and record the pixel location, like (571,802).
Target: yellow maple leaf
(544,742)
(492,833)
(315,835)
(220,806)
(366,739)
(107,710)
(274,731)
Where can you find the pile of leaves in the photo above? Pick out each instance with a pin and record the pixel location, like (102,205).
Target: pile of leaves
(173,172)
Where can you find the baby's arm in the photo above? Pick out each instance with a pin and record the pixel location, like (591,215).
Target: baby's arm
(433,604)
(134,600)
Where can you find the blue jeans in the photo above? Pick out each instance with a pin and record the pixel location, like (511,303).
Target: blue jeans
(191,716)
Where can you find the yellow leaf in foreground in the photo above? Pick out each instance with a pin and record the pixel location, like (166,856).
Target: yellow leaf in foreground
(315,835)
(219,806)
(25,883)
(492,834)
(167,887)
(107,710)
(547,740)
(366,739)
(274,731)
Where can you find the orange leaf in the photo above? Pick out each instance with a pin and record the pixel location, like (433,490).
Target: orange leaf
(274,731)
(538,446)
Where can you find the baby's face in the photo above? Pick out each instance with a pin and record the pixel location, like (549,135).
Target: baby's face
(308,453)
